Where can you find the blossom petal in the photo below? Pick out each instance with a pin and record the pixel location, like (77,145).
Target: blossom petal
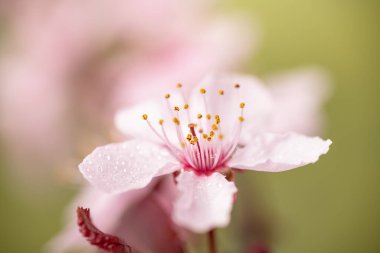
(279,152)
(256,96)
(299,96)
(121,167)
(204,202)
(130,122)
(107,210)
(120,214)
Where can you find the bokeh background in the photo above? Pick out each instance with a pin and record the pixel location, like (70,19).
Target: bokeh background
(331,206)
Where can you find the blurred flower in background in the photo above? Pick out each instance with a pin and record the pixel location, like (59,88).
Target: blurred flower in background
(68,65)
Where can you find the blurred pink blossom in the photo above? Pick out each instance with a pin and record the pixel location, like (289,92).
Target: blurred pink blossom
(128,215)
(203,137)
(69,65)
(300,93)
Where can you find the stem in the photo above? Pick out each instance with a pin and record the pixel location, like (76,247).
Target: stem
(212,241)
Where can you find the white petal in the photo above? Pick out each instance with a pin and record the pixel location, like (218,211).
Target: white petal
(255,95)
(125,166)
(130,122)
(204,202)
(299,96)
(106,210)
(279,152)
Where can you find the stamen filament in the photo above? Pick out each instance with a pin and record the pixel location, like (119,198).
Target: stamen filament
(172,149)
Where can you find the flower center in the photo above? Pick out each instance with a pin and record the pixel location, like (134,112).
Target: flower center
(204,148)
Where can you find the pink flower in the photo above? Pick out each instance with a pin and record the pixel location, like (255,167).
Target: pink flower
(220,127)
(297,97)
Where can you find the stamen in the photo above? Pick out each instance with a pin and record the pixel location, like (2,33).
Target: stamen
(203,92)
(176,121)
(192,130)
(209,149)
(145,117)
(217,119)
(164,139)
(186,105)
(235,140)
(167,142)
(167,96)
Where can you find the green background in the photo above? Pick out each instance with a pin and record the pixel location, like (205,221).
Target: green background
(331,206)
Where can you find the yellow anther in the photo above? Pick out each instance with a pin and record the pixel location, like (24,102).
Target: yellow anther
(237,86)
(242,105)
(186,106)
(176,108)
(161,121)
(179,85)
(221,92)
(192,142)
(208,116)
(221,136)
(189,137)
(214,127)
(195,138)
(209,138)
(205,136)
(176,121)
(199,116)
(241,118)
(217,119)
(212,133)
(167,96)
(145,116)
(203,91)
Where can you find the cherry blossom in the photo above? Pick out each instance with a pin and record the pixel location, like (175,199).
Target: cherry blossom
(303,115)
(202,137)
